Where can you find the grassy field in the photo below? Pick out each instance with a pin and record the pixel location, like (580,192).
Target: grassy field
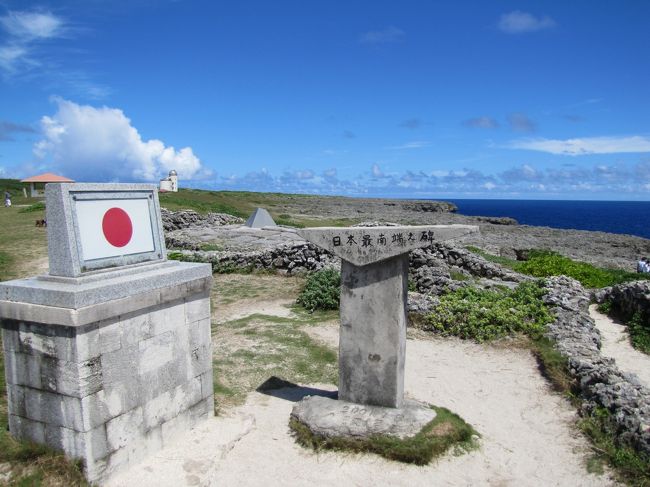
(243,203)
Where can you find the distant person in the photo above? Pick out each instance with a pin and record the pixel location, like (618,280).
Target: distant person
(646,266)
(7,199)
(642,265)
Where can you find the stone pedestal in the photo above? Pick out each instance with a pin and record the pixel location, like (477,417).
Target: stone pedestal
(372,343)
(110,366)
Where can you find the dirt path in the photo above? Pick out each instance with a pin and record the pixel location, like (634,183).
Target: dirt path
(527,433)
(616,344)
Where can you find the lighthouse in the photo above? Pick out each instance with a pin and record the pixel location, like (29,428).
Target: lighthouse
(170,183)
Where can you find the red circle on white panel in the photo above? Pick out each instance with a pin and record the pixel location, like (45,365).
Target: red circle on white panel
(117,227)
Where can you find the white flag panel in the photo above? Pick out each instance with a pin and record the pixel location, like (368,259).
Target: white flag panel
(94,243)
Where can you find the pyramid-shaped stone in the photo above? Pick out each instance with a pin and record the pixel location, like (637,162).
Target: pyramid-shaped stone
(260,218)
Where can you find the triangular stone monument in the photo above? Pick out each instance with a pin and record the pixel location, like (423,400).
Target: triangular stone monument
(260,218)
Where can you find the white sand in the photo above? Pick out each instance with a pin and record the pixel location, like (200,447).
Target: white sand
(616,344)
(527,433)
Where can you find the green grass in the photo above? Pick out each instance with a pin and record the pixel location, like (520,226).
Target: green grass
(504,261)
(545,263)
(446,431)
(22,243)
(485,314)
(459,276)
(274,346)
(39,206)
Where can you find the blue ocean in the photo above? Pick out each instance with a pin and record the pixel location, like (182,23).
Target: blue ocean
(630,217)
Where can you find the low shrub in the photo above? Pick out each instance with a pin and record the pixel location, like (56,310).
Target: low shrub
(483,314)
(546,263)
(322,290)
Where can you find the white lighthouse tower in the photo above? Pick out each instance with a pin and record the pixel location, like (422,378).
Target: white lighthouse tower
(170,183)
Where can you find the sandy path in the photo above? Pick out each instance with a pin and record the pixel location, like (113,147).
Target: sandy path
(527,436)
(616,344)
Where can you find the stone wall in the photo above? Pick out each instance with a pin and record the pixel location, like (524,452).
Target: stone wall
(286,259)
(111,391)
(628,299)
(178,220)
(598,379)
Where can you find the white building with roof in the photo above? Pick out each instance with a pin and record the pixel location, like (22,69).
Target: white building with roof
(170,183)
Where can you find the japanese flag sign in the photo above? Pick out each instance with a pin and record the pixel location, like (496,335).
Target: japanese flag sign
(114,227)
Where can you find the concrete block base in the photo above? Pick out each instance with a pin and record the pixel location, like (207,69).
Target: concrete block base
(111,382)
(330,418)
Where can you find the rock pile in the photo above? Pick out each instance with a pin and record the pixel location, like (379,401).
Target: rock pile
(431,269)
(599,380)
(178,220)
(287,259)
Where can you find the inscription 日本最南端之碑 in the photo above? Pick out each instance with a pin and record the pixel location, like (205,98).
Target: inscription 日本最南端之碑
(365,245)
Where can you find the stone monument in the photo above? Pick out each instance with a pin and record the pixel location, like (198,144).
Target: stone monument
(108,357)
(372,343)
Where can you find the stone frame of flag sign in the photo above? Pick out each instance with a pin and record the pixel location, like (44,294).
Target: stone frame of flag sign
(105,225)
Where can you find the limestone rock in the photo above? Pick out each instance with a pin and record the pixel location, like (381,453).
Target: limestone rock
(335,418)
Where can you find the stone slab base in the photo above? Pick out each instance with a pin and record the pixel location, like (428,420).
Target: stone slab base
(336,418)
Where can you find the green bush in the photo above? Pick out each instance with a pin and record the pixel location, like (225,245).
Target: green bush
(322,290)
(546,263)
(543,263)
(481,314)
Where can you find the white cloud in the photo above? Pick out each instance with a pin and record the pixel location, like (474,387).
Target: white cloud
(415,144)
(518,22)
(389,34)
(24,30)
(376,171)
(100,144)
(29,26)
(585,146)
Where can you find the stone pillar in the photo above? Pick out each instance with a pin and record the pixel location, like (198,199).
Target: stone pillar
(374,288)
(372,344)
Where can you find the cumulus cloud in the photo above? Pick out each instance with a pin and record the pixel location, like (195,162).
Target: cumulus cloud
(519,122)
(482,122)
(387,35)
(585,146)
(518,22)
(100,144)
(7,129)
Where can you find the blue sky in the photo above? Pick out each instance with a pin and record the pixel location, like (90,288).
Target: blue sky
(481,99)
